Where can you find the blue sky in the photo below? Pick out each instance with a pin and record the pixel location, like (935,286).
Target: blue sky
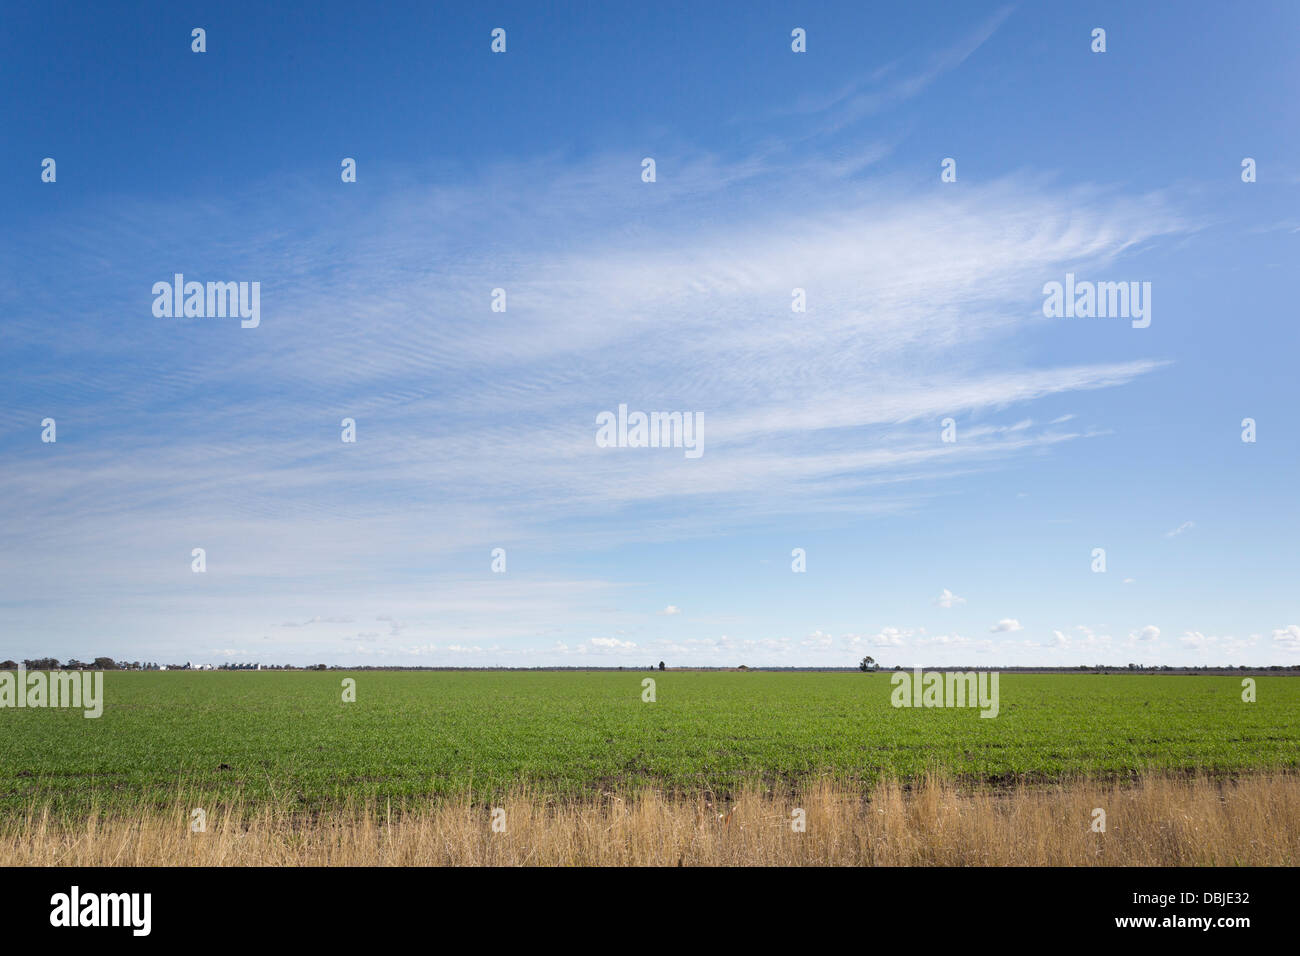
(476,429)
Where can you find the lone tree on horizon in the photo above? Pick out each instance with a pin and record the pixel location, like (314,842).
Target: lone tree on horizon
(867,664)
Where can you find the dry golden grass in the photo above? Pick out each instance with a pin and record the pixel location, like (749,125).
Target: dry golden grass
(1156,821)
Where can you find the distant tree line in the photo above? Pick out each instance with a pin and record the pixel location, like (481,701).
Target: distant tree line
(866,664)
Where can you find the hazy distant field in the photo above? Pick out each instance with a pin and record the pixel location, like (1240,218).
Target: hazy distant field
(287,738)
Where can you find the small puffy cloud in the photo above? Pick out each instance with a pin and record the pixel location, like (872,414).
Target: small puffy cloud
(610,642)
(888,637)
(1231,643)
(956,641)
(1061,639)
(1129,580)
(1091,638)
(1197,639)
(1006,625)
(415,650)
(1185,526)
(1288,637)
(948,599)
(942,640)
(671,609)
(1148,633)
(817,639)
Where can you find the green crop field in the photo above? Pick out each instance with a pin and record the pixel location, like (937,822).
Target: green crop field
(288,737)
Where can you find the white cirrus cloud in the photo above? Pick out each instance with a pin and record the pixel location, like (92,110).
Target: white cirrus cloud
(816,418)
(948,599)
